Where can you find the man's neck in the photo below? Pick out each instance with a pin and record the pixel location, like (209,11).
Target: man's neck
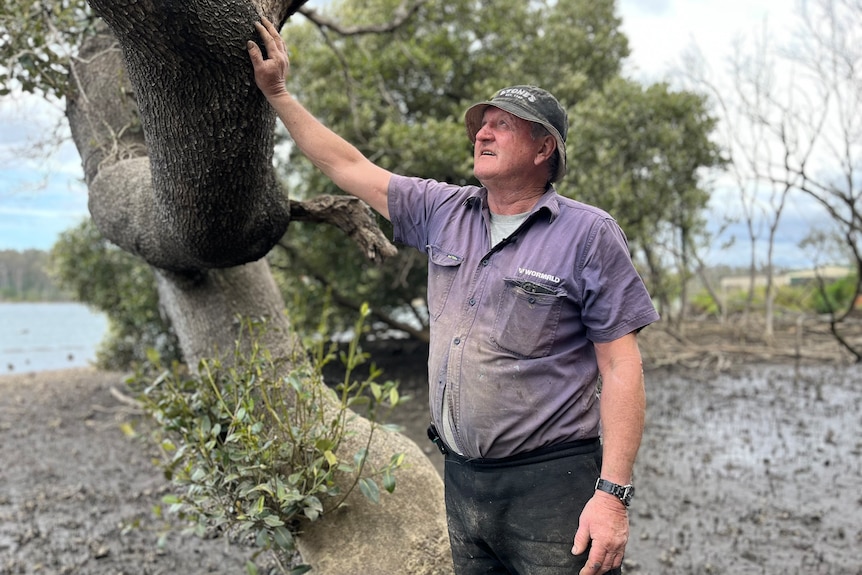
(514,201)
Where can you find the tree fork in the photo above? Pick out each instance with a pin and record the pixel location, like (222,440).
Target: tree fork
(211,177)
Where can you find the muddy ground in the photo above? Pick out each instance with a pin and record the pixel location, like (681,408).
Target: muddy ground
(751,463)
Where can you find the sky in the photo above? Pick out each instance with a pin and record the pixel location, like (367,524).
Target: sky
(41,187)
(42,193)
(660,32)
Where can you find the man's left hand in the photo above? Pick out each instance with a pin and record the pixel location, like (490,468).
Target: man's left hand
(604,529)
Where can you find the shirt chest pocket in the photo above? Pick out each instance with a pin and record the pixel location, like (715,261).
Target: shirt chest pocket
(442,268)
(527,318)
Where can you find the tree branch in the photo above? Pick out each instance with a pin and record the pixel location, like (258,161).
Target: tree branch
(401,15)
(350,215)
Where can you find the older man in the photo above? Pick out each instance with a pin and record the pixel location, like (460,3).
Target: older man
(533,299)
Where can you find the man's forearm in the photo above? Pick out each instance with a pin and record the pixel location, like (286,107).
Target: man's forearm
(623,403)
(326,149)
(603,526)
(622,429)
(338,159)
(333,155)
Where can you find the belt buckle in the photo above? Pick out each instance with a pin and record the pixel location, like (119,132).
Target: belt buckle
(436,440)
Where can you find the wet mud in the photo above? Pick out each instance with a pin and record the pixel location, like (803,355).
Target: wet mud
(754,469)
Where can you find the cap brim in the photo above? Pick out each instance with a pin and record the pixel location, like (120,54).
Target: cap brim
(473,119)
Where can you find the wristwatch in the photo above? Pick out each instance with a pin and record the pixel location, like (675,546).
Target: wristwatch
(622,492)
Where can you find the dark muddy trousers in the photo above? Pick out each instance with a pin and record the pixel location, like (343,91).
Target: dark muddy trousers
(518,516)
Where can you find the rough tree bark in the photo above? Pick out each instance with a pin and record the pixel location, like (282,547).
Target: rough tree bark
(176,143)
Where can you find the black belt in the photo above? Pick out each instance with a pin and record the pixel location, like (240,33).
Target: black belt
(437,440)
(555,451)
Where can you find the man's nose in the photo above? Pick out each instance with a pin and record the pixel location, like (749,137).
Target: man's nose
(484,133)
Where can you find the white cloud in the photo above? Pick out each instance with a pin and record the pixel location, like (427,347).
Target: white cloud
(647,7)
(660,34)
(38,212)
(41,189)
(36,148)
(29,118)
(660,31)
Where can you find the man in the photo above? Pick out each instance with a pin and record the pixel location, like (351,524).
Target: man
(531,298)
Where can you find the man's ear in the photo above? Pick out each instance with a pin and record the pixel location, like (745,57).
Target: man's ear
(549,146)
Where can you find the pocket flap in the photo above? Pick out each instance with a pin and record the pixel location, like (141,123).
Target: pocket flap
(442,257)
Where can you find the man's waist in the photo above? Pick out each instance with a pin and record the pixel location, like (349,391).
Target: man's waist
(546,453)
(543,453)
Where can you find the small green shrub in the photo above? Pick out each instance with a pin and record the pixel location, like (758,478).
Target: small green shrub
(836,296)
(702,303)
(794,299)
(251,446)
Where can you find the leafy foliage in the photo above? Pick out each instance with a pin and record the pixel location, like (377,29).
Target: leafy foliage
(837,296)
(801,298)
(122,286)
(400,98)
(37,38)
(253,447)
(638,153)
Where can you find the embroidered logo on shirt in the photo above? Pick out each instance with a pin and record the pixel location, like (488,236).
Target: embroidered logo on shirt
(539,275)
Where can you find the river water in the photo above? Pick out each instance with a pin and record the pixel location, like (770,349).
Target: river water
(47,336)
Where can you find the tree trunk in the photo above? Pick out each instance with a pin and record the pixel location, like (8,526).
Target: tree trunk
(406,532)
(176,143)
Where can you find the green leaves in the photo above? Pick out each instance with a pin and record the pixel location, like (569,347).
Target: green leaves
(252,449)
(400,98)
(36,42)
(640,153)
(369,489)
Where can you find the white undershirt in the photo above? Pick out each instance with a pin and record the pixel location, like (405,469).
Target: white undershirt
(504,226)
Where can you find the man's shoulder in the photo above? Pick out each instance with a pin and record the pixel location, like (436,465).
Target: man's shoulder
(571,208)
(429,184)
(411,190)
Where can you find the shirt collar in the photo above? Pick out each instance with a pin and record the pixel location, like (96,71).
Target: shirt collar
(548,201)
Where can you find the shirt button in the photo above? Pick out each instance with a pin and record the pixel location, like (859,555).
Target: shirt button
(485,262)
(472,301)
(457,340)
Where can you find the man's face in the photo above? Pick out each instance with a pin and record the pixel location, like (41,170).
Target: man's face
(504,149)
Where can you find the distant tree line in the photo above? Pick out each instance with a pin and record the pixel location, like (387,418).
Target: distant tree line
(24,276)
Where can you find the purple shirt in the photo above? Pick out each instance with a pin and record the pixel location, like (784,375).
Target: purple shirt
(512,328)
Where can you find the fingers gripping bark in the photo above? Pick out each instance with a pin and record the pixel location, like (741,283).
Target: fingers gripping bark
(269,71)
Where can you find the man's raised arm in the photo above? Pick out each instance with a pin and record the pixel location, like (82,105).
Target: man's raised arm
(334,156)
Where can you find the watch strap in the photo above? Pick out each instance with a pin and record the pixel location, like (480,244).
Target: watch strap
(622,492)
